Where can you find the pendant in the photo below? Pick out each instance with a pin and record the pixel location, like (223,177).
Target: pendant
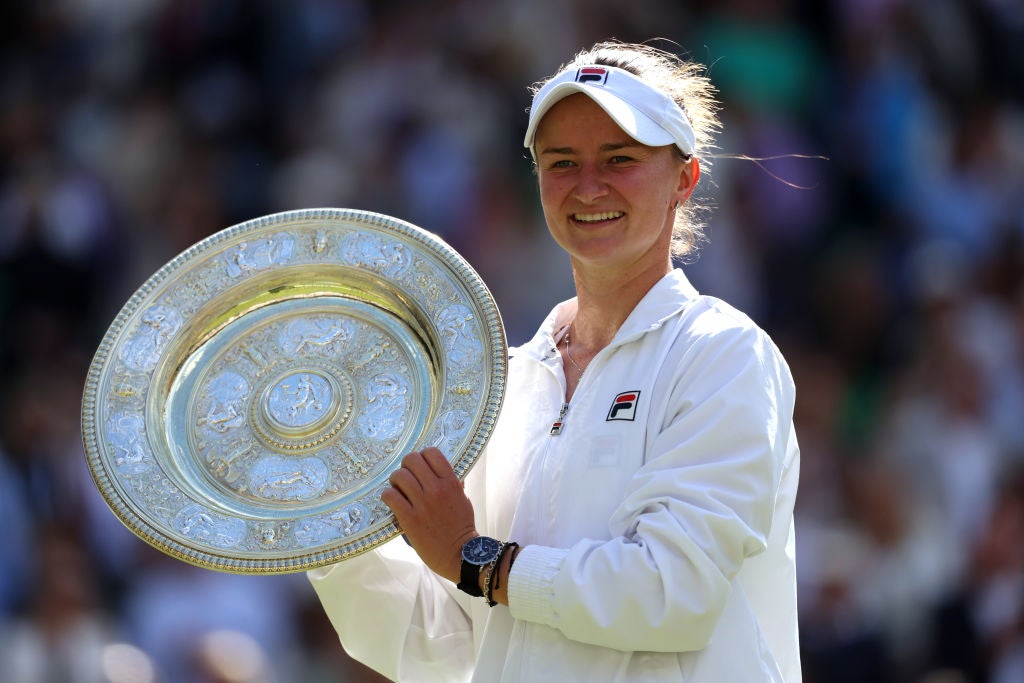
(556,426)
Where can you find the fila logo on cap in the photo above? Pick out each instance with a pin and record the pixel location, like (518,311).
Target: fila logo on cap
(624,406)
(592,74)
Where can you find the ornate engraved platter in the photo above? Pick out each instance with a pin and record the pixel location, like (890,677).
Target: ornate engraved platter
(246,406)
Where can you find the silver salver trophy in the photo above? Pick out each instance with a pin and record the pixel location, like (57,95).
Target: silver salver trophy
(246,406)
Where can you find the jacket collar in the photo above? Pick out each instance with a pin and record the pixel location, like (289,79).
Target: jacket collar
(666,298)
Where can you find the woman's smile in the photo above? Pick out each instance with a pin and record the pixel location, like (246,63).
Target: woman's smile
(600,217)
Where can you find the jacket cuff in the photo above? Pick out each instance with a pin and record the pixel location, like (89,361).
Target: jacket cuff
(531,584)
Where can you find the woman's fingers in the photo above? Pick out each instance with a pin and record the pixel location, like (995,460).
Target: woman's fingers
(430,505)
(422,473)
(438,464)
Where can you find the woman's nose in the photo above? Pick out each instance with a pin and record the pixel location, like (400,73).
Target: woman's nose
(591,184)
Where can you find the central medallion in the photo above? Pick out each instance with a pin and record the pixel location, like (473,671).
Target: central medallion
(299,401)
(302,408)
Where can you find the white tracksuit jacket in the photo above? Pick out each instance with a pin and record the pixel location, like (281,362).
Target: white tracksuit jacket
(659,522)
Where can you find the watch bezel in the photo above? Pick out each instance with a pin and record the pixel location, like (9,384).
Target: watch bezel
(489,549)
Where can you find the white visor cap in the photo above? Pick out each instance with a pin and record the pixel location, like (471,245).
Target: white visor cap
(647,115)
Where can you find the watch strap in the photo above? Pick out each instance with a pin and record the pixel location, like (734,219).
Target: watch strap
(469,580)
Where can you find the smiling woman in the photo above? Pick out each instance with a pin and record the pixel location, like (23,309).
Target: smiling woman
(631,516)
(670,102)
(608,200)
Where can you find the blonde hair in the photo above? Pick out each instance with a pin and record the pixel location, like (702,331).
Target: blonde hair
(686,82)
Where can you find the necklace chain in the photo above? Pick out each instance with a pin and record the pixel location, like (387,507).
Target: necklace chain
(569,355)
(558,425)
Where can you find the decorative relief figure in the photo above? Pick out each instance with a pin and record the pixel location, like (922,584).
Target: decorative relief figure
(300,399)
(224,465)
(386,403)
(458,334)
(315,531)
(320,241)
(157,325)
(377,508)
(158,494)
(193,290)
(279,478)
(200,524)
(129,388)
(306,334)
(251,352)
(126,432)
(355,467)
(248,257)
(388,258)
(221,407)
(270,534)
(427,282)
(378,350)
(451,427)
(351,518)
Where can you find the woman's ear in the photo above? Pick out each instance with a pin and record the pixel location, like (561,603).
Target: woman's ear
(688,178)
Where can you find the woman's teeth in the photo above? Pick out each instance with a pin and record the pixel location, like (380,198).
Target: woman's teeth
(595,217)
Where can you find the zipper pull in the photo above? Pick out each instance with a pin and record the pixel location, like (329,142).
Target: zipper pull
(556,426)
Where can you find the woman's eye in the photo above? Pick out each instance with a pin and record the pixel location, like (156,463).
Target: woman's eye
(620,159)
(562,163)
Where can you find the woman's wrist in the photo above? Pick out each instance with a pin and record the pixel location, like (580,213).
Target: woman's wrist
(498,587)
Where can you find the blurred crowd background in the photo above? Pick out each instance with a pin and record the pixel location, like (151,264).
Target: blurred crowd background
(880,241)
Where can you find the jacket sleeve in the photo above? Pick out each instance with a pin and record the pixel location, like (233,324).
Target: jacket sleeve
(396,616)
(701,503)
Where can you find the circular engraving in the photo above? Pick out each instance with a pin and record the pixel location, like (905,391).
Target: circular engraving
(303,409)
(299,400)
(247,405)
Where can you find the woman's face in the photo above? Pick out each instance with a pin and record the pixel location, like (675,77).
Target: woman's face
(607,198)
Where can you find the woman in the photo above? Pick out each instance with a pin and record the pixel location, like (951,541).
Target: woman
(632,513)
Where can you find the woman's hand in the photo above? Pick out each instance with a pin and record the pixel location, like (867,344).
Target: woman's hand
(432,509)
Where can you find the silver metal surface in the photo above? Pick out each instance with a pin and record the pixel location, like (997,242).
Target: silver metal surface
(246,406)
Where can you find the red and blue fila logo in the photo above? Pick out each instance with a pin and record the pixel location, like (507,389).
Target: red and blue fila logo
(592,74)
(624,406)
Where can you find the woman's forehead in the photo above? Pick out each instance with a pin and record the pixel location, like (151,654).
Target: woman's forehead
(578,116)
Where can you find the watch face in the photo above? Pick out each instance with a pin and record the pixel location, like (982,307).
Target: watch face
(480,550)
